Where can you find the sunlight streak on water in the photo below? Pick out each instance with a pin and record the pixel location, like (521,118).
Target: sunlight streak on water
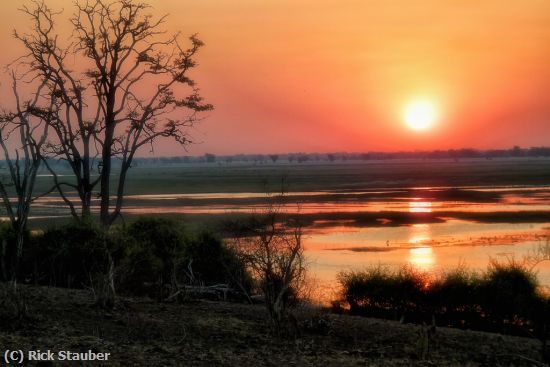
(422,258)
(419,234)
(420,207)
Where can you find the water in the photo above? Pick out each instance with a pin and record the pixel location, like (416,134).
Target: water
(468,199)
(433,229)
(434,248)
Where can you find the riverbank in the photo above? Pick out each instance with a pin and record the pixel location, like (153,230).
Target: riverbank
(141,332)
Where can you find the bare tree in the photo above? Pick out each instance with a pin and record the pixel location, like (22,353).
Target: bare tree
(271,244)
(22,137)
(119,84)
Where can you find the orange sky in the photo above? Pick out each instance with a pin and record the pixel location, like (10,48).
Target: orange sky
(336,75)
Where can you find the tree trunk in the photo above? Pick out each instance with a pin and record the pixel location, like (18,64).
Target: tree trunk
(20,243)
(86,181)
(106,178)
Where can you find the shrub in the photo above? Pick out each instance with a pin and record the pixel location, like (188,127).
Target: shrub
(454,298)
(505,298)
(409,290)
(363,289)
(381,292)
(70,255)
(508,293)
(152,247)
(212,262)
(455,289)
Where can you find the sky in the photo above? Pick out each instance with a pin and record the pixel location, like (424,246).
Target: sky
(337,75)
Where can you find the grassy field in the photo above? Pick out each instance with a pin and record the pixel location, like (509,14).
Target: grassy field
(235,177)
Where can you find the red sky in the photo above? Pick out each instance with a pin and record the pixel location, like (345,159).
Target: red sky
(336,75)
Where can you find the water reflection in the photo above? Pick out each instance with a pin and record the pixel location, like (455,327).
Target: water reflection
(422,257)
(419,234)
(420,207)
(385,200)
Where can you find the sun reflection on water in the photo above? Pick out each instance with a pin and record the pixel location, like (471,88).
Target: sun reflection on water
(421,257)
(420,207)
(420,234)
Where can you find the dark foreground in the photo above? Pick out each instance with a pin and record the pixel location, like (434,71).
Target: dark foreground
(141,332)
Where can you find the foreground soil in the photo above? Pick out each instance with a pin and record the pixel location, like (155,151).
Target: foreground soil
(141,332)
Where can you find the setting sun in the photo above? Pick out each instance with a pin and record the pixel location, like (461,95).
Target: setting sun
(420,115)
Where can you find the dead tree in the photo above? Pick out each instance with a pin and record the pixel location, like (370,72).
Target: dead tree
(22,138)
(119,84)
(271,245)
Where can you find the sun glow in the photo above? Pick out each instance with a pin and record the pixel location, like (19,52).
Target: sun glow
(422,257)
(420,115)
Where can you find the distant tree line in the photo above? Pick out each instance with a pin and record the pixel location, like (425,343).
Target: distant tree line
(450,154)
(209,158)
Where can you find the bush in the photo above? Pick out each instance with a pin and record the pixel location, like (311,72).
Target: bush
(382,293)
(505,298)
(455,290)
(160,257)
(152,247)
(149,257)
(454,298)
(365,289)
(69,256)
(508,295)
(212,262)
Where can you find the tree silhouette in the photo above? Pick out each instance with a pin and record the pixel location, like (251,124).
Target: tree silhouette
(118,85)
(22,137)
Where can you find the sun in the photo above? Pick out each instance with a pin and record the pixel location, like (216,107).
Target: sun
(420,115)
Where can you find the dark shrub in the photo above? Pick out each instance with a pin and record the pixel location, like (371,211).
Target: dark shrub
(508,293)
(505,299)
(70,255)
(153,246)
(454,290)
(362,288)
(212,262)
(380,292)
(454,298)
(409,289)
(161,258)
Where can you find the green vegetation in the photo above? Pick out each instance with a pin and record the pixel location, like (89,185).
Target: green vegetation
(322,176)
(153,248)
(67,256)
(171,179)
(382,293)
(505,298)
(213,262)
(150,257)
